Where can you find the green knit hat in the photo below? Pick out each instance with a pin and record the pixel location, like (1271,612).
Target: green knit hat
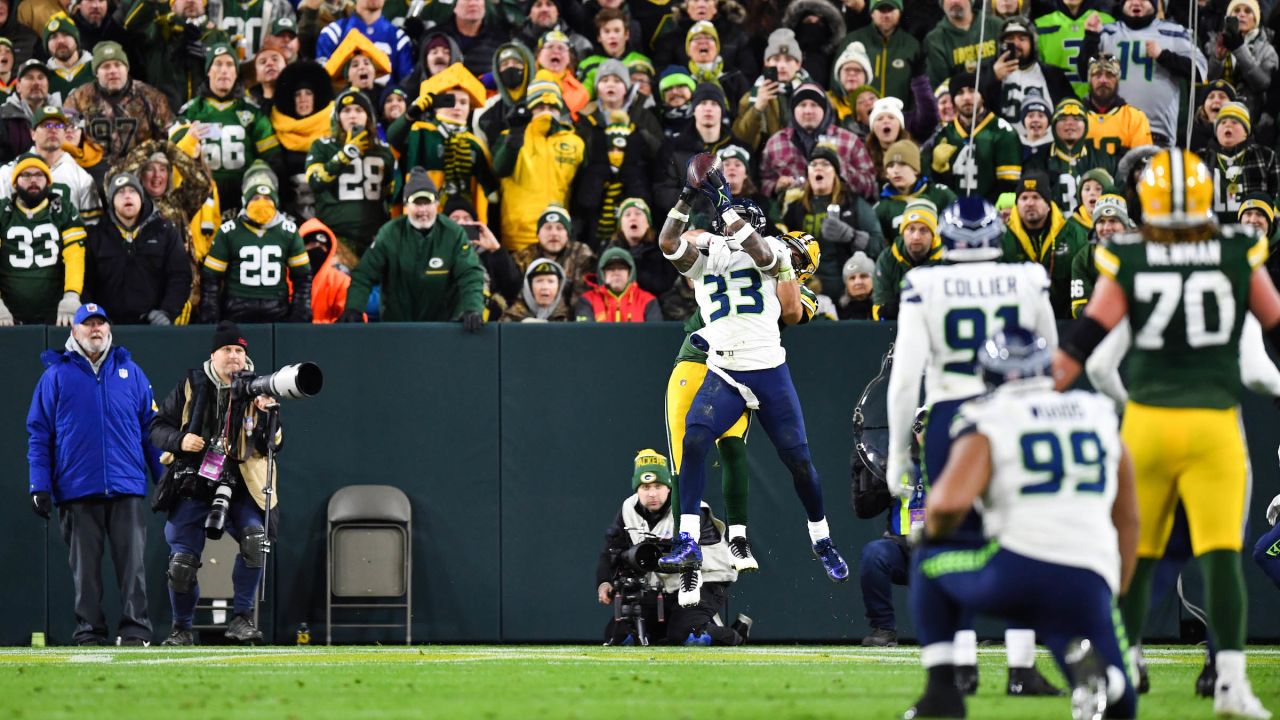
(651,467)
(106,51)
(260,188)
(60,22)
(635,202)
(215,51)
(1098,175)
(555,213)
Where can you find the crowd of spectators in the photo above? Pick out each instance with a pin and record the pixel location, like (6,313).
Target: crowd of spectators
(183,161)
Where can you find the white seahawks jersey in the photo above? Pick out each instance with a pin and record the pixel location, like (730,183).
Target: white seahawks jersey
(1054,473)
(1143,84)
(741,312)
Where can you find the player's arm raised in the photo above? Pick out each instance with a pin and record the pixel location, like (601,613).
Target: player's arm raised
(964,478)
(1124,515)
(673,240)
(741,235)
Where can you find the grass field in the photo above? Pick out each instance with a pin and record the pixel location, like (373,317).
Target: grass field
(773,682)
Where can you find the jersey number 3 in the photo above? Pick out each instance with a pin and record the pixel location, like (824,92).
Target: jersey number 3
(751,301)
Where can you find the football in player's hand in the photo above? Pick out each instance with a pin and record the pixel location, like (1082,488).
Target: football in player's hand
(699,166)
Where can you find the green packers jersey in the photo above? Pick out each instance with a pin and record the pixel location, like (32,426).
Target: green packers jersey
(242,22)
(985,167)
(63,82)
(1060,39)
(41,257)
(244,135)
(1084,273)
(1065,168)
(255,262)
(689,353)
(351,198)
(1187,302)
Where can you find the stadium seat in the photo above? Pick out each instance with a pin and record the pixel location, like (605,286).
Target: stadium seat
(216,590)
(370,555)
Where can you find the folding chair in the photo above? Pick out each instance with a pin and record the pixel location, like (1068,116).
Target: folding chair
(370,555)
(216,589)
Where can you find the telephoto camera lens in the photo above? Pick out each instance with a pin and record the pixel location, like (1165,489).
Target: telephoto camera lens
(218,513)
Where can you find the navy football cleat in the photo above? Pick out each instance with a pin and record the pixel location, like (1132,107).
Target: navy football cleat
(837,569)
(685,555)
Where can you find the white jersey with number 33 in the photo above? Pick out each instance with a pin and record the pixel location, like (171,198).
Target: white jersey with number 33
(741,311)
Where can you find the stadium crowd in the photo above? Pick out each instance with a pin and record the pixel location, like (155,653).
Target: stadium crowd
(192,161)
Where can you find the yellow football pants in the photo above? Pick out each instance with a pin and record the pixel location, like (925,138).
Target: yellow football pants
(686,378)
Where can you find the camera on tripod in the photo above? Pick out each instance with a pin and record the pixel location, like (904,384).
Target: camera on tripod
(631,592)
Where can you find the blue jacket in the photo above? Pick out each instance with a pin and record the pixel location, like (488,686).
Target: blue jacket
(387,37)
(88,435)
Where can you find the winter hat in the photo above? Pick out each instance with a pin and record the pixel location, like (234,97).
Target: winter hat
(1017,24)
(636,62)
(252,190)
(1006,201)
(737,152)
(1098,175)
(637,203)
(920,210)
(783,42)
(555,214)
(123,180)
(887,106)
(702,27)
(1113,206)
(1251,4)
(961,79)
(1069,107)
(1036,182)
(284,25)
(29,161)
(48,112)
(650,467)
(227,333)
(419,183)
(1255,200)
(859,263)
(108,50)
(615,256)
(855,52)
(60,22)
(896,4)
(543,266)
(1033,103)
(825,152)
(810,91)
(1221,86)
(616,69)
(543,92)
(905,152)
(214,52)
(456,202)
(710,91)
(1104,62)
(260,173)
(673,76)
(554,36)
(1235,111)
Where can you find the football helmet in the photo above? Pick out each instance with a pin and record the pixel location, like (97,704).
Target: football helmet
(1176,191)
(805,254)
(1014,353)
(750,212)
(971,231)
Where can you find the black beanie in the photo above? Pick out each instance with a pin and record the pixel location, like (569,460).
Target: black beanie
(709,91)
(228,333)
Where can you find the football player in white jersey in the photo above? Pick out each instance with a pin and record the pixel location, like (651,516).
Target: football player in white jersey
(946,314)
(1061,516)
(744,284)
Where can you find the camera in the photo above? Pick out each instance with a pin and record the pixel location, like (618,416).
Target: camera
(1009,49)
(472,231)
(217,517)
(300,380)
(444,100)
(630,590)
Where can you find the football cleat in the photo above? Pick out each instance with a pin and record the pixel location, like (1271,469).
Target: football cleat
(241,629)
(742,626)
(837,569)
(743,560)
(690,588)
(701,639)
(1029,682)
(1235,699)
(1208,678)
(937,703)
(685,555)
(967,679)
(1089,681)
(180,637)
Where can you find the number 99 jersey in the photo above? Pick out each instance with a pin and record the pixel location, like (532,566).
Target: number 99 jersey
(949,311)
(1054,459)
(741,310)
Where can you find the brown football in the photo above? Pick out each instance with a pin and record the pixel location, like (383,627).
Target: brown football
(699,166)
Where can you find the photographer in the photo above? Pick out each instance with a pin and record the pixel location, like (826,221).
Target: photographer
(646,517)
(206,429)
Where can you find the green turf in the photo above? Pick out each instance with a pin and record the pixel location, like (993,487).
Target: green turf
(773,682)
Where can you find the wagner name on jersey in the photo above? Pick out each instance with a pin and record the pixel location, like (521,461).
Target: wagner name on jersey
(1054,459)
(1187,302)
(949,311)
(741,311)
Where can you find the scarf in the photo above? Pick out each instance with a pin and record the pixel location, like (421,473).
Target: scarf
(707,73)
(297,134)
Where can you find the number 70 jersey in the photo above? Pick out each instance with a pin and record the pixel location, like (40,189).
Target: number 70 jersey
(741,312)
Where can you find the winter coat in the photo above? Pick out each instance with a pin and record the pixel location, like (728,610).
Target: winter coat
(854,212)
(1056,250)
(477,52)
(601,184)
(600,304)
(412,84)
(526,308)
(536,164)
(330,283)
(575,261)
(132,273)
(15,128)
(88,431)
(654,272)
(784,154)
(891,62)
(101,112)
(818,39)
(492,119)
(735,45)
(1249,68)
(426,276)
(891,267)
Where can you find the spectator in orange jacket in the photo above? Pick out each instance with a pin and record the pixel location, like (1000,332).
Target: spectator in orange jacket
(330,278)
(614,295)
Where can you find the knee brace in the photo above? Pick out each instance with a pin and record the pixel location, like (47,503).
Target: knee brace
(253,547)
(182,572)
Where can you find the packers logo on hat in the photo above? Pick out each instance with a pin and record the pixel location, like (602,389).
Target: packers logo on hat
(1029,184)
(121,180)
(221,50)
(263,190)
(553,217)
(348,99)
(53,25)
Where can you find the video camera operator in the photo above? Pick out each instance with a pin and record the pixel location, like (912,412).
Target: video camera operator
(215,444)
(641,598)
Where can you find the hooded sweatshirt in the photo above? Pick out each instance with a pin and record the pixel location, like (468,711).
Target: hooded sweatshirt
(413,83)
(600,304)
(491,120)
(527,308)
(331,278)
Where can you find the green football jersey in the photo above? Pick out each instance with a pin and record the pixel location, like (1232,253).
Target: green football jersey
(242,22)
(689,353)
(256,262)
(244,135)
(351,198)
(1187,302)
(41,257)
(1060,38)
(989,165)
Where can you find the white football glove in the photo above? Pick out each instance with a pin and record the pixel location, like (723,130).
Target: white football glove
(719,256)
(894,472)
(1273,510)
(6,317)
(67,308)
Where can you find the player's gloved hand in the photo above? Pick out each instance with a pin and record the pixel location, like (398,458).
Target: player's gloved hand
(894,472)
(688,195)
(716,189)
(835,230)
(472,321)
(41,504)
(420,106)
(6,317)
(67,308)
(158,317)
(1273,511)
(785,271)
(351,316)
(718,256)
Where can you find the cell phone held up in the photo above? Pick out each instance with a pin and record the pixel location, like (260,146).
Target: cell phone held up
(771,74)
(472,231)
(444,100)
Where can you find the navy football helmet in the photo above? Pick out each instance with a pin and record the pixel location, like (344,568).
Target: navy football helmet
(971,230)
(750,212)
(1014,353)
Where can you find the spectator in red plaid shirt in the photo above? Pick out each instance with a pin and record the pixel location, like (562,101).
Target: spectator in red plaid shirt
(813,121)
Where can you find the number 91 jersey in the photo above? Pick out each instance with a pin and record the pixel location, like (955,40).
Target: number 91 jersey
(741,310)
(1187,302)
(956,308)
(1054,458)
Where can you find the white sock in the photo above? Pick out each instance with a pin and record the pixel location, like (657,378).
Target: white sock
(942,653)
(819,530)
(691,524)
(966,647)
(1230,665)
(1020,645)
(737,531)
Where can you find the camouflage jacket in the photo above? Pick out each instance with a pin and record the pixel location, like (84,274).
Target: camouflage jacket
(576,258)
(120,123)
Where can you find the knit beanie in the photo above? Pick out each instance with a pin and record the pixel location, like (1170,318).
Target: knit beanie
(60,22)
(108,50)
(1235,111)
(702,27)
(1112,205)
(887,106)
(638,203)
(227,333)
(783,42)
(214,52)
(920,210)
(905,152)
(556,214)
(123,180)
(650,467)
(1036,182)
(855,52)
(859,263)
(1257,200)
(418,183)
(710,91)
(826,152)
(616,69)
